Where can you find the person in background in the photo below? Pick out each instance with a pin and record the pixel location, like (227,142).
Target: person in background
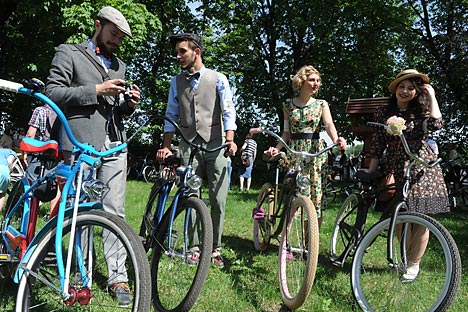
(88,82)
(40,128)
(303,117)
(200,100)
(412,99)
(17,139)
(248,151)
(6,141)
(7,158)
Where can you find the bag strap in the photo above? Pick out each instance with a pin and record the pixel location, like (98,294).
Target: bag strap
(98,66)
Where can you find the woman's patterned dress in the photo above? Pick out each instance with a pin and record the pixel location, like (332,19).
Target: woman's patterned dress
(428,193)
(307,120)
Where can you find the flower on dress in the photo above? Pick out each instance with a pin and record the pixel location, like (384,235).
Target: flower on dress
(395,125)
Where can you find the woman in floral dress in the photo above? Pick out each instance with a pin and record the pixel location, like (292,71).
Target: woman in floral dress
(412,99)
(303,116)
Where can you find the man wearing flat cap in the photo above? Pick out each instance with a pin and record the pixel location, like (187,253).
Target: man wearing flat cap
(88,82)
(200,101)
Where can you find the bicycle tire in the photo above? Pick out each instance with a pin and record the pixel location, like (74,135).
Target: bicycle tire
(377,287)
(176,283)
(149,174)
(33,294)
(297,265)
(330,193)
(343,230)
(262,229)
(147,223)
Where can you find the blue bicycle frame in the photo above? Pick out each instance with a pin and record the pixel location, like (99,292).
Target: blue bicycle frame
(88,156)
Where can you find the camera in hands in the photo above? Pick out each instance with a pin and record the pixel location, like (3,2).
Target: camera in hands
(128,94)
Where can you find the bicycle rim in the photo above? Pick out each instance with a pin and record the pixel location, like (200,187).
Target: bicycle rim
(261,227)
(35,295)
(298,252)
(342,234)
(378,287)
(176,282)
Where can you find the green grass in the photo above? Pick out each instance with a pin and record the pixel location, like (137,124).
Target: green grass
(248,282)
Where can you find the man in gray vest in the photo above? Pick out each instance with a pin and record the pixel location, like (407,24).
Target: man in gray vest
(200,101)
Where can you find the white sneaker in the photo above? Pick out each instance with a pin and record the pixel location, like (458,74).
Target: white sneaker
(412,272)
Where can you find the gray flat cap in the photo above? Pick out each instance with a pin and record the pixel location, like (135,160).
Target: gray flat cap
(114,16)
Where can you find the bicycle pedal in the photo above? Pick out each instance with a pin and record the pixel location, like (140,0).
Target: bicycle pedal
(258,213)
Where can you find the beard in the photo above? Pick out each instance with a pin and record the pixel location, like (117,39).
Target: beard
(190,64)
(105,49)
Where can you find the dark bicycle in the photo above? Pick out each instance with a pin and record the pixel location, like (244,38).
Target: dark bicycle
(177,227)
(380,254)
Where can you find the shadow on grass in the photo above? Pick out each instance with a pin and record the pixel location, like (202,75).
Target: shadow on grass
(7,294)
(245,254)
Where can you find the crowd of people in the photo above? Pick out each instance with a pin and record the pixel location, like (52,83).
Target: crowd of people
(87,81)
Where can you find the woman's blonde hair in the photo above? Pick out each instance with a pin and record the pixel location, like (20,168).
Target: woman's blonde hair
(301,76)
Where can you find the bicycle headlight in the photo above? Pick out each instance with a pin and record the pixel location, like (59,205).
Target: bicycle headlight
(94,189)
(194,182)
(303,182)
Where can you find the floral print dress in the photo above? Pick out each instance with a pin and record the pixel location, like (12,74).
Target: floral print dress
(428,193)
(302,120)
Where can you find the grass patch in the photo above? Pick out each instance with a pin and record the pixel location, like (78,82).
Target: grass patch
(248,282)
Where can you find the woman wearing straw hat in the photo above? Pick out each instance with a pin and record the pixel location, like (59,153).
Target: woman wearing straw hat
(413,99)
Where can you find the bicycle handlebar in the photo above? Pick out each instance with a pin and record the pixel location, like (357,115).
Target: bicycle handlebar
(288,148)
(408,151)
(83,147)
(197,146)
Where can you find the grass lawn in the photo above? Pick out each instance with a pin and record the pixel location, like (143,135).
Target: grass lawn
(248,282)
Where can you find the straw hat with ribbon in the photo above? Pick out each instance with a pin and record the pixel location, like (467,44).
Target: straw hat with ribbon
(406,74)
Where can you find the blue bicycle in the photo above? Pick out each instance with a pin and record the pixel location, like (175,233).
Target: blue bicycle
(64,265)
(179,232)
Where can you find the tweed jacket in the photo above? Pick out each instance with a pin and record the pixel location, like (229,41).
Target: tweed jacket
(72,86)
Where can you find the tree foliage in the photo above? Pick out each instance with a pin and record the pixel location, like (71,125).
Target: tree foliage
(358,46)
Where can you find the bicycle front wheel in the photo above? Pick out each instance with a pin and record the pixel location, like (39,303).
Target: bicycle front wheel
(149,174)
(261,214)
(181,260)
(377,286)
(102,236)
(343,236)
(298,252)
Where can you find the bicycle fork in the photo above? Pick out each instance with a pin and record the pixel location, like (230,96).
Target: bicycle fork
(402,237)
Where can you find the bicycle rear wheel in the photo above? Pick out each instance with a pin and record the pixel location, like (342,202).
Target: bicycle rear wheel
(181,260)
(36,294)
(262,212)
(379,287)
(343,236)
(298,252)
(147,222)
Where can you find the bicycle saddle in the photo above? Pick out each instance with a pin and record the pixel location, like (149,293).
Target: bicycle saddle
(31,145)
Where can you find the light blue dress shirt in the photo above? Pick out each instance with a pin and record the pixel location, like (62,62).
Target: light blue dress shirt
(225,95)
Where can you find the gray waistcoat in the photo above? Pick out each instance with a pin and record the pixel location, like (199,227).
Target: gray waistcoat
(200,110)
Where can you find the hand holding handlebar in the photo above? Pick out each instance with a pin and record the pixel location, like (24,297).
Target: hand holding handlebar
(408,151)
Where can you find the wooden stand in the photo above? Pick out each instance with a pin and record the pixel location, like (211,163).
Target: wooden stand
(362,111)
